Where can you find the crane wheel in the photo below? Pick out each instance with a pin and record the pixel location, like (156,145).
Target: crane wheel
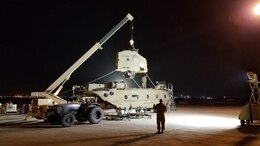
(67,120)
(95,115)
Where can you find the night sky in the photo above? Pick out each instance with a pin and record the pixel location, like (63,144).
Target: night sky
(202,47)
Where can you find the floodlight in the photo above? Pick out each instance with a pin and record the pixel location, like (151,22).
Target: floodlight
(257,9)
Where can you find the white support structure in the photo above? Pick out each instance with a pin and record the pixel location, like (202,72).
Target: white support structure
(254,86)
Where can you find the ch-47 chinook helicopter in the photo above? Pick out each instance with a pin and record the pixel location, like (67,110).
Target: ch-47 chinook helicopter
(125,100)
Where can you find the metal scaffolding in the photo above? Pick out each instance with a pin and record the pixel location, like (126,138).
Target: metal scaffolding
(254,86)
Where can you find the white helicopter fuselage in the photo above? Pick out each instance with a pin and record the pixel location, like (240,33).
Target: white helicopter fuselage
(121,96)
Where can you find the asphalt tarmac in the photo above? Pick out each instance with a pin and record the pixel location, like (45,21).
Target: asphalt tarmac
(188,126)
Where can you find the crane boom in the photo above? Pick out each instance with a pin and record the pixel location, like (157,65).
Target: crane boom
(58,84)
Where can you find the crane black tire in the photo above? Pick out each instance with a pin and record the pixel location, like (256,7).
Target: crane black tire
(67,120)
(95,115)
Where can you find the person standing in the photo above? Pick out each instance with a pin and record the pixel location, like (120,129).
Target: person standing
(160,119)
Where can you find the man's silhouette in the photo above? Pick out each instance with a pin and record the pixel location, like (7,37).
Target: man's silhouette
(160,119)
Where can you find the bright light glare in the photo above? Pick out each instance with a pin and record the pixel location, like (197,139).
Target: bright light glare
(257,9)
(205,121)
(131,42)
